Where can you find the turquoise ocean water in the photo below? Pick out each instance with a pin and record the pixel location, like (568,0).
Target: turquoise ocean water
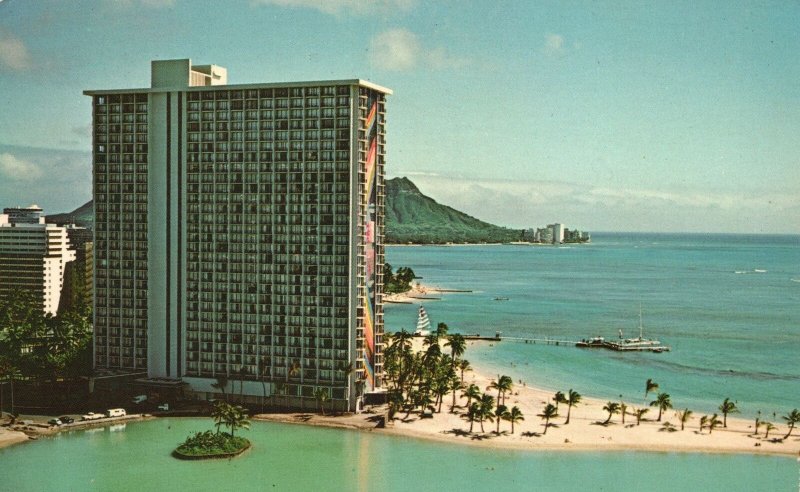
(733,335)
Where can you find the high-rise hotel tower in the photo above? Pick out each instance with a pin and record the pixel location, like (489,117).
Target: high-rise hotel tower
(239,233)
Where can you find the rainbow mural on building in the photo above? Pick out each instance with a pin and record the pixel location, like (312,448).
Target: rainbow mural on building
(370,239)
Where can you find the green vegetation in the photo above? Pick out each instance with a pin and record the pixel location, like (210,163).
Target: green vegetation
(412,217)
(573,399)
(727,407)
(663,402)
(209,444)
(36,346)
(612,408)
(419,381)
(791,419)
(549,412)
(397,282)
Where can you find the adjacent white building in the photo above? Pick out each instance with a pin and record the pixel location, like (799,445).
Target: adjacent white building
(33,255)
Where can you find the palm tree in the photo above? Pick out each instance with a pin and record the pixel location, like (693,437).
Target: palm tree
(650,386)
(639,412)
(291,371)
(463,366)
(623,409)
(758,421)
(727,407)
(549,412)
(219,413)
(559,398)
(684,416)
(457,344)
(263,368)
(221,384)
(441,329)
(471,393)
(768,426)
(500,413)
(454,385)
(703,422)
(486,409)
(236,418)
(663,402)
(402,340)
(430,340)
(502,385)
(713,422)
(514,415)
(792,418)
(321,395)
(473,412)
(573,398)
(242,373)
(612,408)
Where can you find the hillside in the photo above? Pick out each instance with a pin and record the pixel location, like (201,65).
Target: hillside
(82,216)
(412,217)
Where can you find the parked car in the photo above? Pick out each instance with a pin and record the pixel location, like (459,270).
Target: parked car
(115,412)
(54,422)
(164,407)
(92,416)
(66,419)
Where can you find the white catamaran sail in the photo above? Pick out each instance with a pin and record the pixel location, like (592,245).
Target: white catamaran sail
(423,323)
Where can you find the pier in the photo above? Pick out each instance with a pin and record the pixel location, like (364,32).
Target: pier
(542,341)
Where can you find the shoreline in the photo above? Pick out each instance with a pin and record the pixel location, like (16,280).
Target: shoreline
(584,433)
(419,293)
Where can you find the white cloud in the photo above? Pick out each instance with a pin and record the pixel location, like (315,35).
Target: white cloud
(341,7)
(400,49)
(395,49)
(13,52)
(18,169)
(63,177)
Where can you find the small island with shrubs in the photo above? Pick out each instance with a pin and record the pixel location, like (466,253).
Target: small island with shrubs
(215,444)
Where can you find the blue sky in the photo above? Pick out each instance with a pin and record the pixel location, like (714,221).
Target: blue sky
(633,116)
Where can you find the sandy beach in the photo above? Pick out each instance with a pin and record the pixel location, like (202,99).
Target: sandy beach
(585,432)
(9,437)
(418,293)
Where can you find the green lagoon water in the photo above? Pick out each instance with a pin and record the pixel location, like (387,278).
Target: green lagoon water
(136,457)
(733,335)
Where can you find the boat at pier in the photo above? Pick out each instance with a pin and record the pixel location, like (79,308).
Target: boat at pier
(638,344)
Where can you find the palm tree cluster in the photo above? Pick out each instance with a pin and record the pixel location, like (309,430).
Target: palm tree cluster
(421,380)
(231,416)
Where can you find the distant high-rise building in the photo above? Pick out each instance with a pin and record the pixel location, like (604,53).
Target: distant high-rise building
(239,233)
(558,232)
(33,256)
